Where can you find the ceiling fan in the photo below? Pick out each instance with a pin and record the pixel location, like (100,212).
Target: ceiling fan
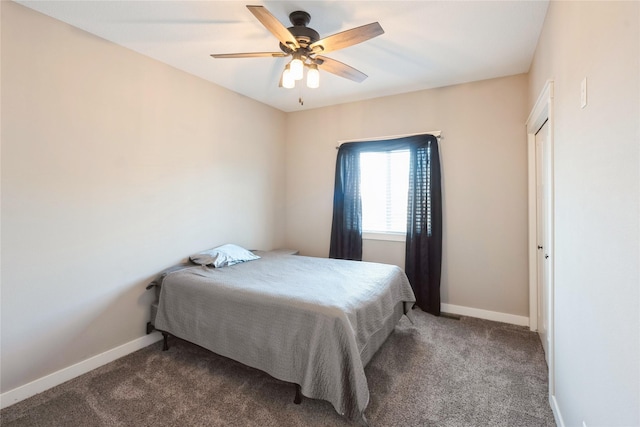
(306,47)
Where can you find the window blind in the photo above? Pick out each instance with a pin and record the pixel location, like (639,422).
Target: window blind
(384,185)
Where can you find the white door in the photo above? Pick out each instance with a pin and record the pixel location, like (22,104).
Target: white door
(543,233)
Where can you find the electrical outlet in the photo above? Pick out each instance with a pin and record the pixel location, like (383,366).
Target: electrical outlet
(583,98)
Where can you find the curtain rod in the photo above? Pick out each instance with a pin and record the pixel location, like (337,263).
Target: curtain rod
(436,133)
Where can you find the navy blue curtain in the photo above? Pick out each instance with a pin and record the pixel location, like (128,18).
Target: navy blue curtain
(346,229)
(423,253)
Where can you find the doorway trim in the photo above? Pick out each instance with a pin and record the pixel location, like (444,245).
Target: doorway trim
(541,112)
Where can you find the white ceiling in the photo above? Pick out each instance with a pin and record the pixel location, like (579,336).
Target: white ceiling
(426,44)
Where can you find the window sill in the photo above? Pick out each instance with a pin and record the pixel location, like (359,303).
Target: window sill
(390,237)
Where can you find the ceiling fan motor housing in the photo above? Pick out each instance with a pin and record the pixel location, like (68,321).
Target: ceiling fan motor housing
(303,34)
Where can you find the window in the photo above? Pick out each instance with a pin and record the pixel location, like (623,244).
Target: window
(396,192)
(384,185)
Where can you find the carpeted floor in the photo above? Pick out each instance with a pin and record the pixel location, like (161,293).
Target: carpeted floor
(436,372)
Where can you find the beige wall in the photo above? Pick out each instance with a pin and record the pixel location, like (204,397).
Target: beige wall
(597,198)
(114,166)
(484,163)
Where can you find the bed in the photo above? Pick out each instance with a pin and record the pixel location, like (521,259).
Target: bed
(314,322)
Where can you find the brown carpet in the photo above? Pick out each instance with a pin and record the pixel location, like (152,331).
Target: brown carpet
(437,372)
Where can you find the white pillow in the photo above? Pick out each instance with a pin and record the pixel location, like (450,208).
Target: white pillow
(223,256)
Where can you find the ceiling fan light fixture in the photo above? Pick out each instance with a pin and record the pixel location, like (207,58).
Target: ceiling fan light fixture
(297,67)
(313,77)
(287,79)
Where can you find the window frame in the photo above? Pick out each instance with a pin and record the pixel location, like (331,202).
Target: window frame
(389,236)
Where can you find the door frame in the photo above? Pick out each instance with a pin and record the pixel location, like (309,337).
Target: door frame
(543,185)
(541,112)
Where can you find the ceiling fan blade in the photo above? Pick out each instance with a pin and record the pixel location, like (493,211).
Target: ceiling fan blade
(347,38)
(249,55)
(272,24)
(340,69)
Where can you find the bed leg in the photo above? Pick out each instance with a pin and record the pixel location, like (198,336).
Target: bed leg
(298,399)
(165,344)
(150,328)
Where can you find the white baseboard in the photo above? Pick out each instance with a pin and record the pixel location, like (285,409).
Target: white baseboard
(41,384)
(485,314)
(556,411)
